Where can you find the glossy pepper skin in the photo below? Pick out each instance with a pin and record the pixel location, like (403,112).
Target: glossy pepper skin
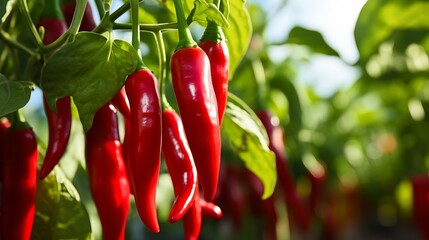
(295,204)
(218,54)
(60,122)
(106,171)
(190,70)
(180,163)
(145,143)
(19,177)
(192,219)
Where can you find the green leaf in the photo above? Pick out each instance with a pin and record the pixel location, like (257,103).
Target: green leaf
(312,39)
(59,212)
(249,141)
(380,19)
(13,94)
(238,34)
(91,69)
(205,12)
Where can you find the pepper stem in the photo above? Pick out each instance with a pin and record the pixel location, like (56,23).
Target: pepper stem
(162,69)
(185,36)
(135,30)
(17,120)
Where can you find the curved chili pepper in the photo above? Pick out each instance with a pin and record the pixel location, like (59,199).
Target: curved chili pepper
(190,69)
(121,103)
(180,163)
(293,201)
(209,209)
(420,185)
(60,122)
(87,24)
(213,43)
(317,180)
(106,171)
(145,145)
(19,175)
(192,219)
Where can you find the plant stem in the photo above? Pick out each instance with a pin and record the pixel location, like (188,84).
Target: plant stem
(259,73)
(120,11)
(185,36)
(135,30)
(13,43)
(100,8)
(22,4)
(162,68)
(146,27)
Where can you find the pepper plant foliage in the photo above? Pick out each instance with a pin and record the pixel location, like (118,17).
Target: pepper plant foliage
(91,67)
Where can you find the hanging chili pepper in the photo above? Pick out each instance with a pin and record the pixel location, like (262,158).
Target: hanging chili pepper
(145,143)
(19,175)
(209,209)
(180,163)
(106,171)
(190,71)
(192,219)
(295,204)
(60,122)
(87,24)
(317,180)
(265,208)
(214,45)
(121,103)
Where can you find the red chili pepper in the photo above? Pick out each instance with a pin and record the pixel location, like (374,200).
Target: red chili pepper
(121,103)
(213,43)
(209,209)
(264,208)
(19,175)
(190,69)
(180,163)
(295,204)
(88,23)
(60,122)
(232,195)
(317,179)
(420,186)
(126,153)
(145,145)
(192,219)
(106,171)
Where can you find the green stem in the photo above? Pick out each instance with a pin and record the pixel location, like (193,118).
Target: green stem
(185,36)
(135,30)
(146,27)
(22,4)
(12,43)
(162,68)
(107,4)
(17,120)
(217,3)
(120,11)
(100,8)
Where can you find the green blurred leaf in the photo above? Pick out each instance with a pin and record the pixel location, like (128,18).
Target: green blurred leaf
(312,39)
(59,211)
(82,68)
(238,34)
(249,141)
(205,11)
(13,94)
(379,19)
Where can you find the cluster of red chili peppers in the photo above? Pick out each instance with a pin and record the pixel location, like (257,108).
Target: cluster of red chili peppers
(190,143)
